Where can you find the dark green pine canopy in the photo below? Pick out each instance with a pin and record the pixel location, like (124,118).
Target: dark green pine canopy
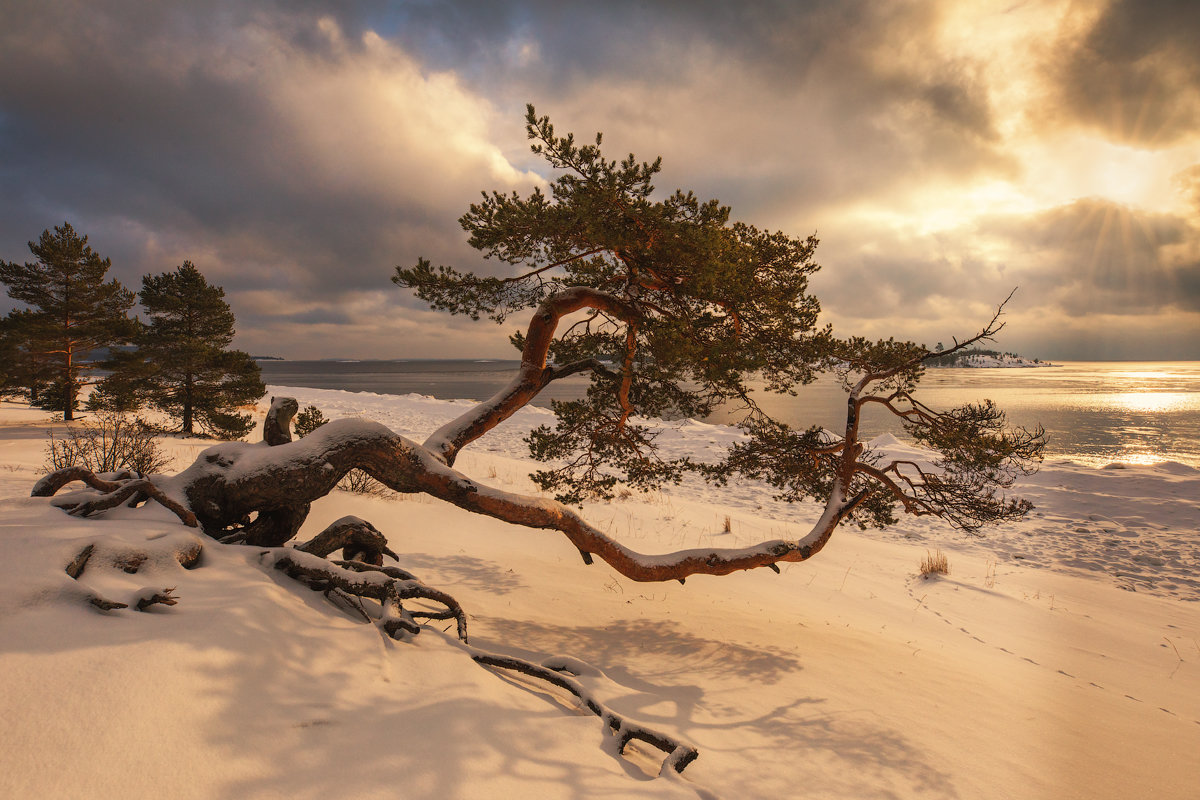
(675,311)
(73,310)
(676,308)
(186,368)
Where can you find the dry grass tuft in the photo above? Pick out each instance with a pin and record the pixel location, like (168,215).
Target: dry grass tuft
(934,563)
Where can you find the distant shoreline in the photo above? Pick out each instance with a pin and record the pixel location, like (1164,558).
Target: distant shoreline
(966,361)
(986,359)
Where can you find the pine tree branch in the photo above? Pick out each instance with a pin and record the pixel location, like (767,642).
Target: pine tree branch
(533,374)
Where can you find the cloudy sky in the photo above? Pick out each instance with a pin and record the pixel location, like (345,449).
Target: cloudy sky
(944,152)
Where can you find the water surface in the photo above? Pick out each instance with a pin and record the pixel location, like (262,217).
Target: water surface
(1094,412)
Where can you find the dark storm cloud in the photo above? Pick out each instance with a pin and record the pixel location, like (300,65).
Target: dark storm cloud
(785,42)
(1083,260)
(280,150)
(256,138)
(1096,256)
(176,133)
(1136,72)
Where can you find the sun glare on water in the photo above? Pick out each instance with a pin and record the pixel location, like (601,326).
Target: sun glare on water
(1141,459)
(1149,402)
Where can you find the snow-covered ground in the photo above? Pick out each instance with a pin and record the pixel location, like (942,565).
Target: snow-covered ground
(1060,658)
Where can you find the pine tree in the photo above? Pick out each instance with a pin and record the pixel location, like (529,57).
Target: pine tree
(182,364)
(11,357)
(683,307)
(675,310)
(72,310)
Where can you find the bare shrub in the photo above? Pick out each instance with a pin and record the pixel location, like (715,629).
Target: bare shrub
(359,482)
(107,442)
(934,563)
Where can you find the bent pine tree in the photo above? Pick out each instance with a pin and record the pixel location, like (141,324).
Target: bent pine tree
(671,309)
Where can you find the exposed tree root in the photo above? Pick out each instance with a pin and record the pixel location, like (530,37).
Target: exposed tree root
(49,485)
(186,552)
(165,597)
(79,562)
(362,576)
(563,673)
(388,586)
(125,488)
(105,604)
(358,540)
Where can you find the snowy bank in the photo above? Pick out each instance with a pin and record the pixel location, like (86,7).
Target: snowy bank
(1059,658)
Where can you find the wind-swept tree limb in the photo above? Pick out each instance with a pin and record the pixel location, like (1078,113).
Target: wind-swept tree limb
(258,494)
(973,457)
(533,374)
(685,307)
(688,308)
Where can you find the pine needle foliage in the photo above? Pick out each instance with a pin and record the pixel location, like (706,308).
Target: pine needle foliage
(308,421)
(676,310)
(182,364)
(689,305)
(71,311)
